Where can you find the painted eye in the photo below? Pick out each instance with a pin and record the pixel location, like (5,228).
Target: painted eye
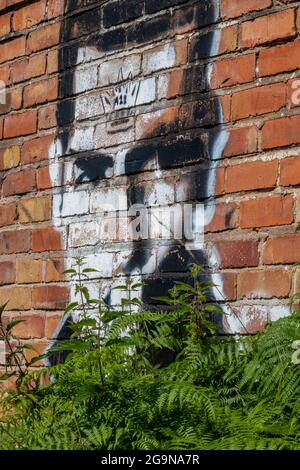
(93,168)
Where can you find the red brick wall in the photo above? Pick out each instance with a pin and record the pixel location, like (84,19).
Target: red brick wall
(251,73)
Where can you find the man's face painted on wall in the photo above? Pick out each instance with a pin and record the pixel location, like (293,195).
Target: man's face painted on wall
(136,130)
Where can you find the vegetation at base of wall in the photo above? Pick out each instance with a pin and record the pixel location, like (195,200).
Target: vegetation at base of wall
(135,379)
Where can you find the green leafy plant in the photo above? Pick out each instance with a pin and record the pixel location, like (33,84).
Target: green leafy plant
(116,391)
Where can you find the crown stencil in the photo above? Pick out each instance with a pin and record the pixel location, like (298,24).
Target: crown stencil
(122,96)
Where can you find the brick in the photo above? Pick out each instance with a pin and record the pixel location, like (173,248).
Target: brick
(41,92)
(241,141)
(20,124)
(54,269)
(55,9)
(46,239)
(230,9)
(200,47)
(225,218)
(36,149)
(34,210)
(251,176)
(282,249)
(15,242)
(152,6)
(5,25)
(11,157)
(4,74)
(43,178)
(33,326)
(19,183)
(156,122)
(28,68)
(52,322)
(47,117)
(19,298)
(29,271)
(12,49)
(229,280)
(50,297)
(280,25)
(43,38)
(40,347)
(237,253)
(15,97)
(8,214)
(280,132)
(143,32)
(52,61)
(29,16)
(293,93)
(120,11)
(266,211)
(258,100)
(163,57)
(170,84)
(279,59)
(297,209)
(7,272)
(233,71)
(290,171)
(264,284)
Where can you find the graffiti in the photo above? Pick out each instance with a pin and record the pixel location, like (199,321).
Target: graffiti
(121,145)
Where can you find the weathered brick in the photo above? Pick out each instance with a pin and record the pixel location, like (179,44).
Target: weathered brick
(241,141)
(12,49)
(8,214)
(11,157)
(34,210)
(279,59)
(42,38)
(283,249)
(36,149)
(233,71)
(5,24)
(50,297)
(20,124)
(33,326)
(7,272)
(15,242)
(280,132)
(46,239)
(231,9)
(54,270)
(264,284)
(28,68)
(55,9)
(52,322)
(41,92)
(120,11)
(164,57)
(258,100)
(238,253)
(29,271)
(225,217)
(251,176)
(268,28)
(290,171)
(19,183)
(266,211)
(43,178)
(29,16)
(47,117)
(19,298)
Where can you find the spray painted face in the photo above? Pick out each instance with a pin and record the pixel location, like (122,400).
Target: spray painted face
(135,153)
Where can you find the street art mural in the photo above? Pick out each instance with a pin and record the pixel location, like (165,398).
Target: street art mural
(134,172)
